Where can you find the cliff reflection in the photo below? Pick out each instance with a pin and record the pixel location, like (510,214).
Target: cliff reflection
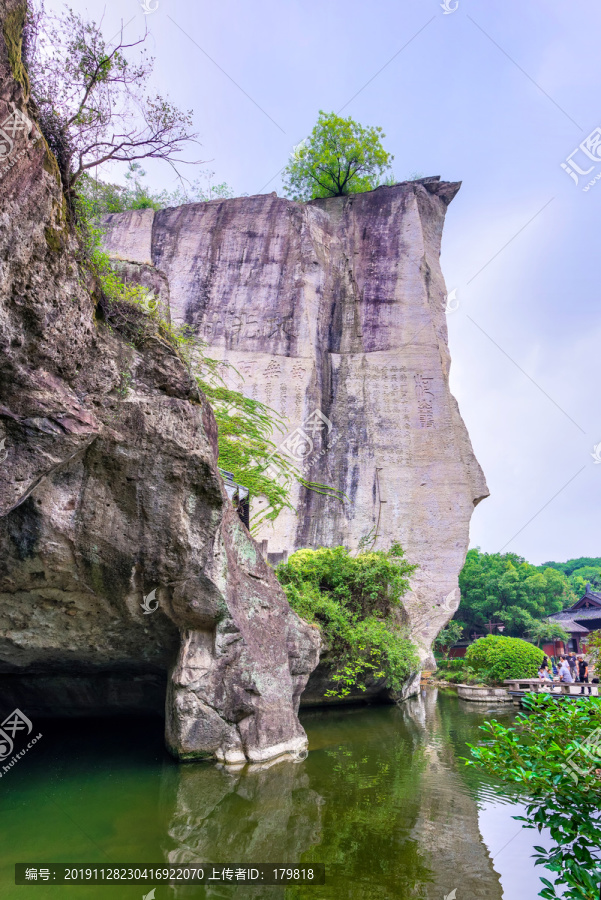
(264,813)
(383,800)
(447,822)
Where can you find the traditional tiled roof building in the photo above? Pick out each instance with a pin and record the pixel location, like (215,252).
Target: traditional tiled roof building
(581,618)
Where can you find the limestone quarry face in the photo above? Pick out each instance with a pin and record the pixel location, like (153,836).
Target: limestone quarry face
(333,313)
(110,497)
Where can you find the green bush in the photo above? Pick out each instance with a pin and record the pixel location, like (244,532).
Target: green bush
(456,671)
(455,677)
(496,658)
(452,665)
(351,599)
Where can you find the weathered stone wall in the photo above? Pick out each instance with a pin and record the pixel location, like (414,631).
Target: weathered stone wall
(333,313)
(109,490)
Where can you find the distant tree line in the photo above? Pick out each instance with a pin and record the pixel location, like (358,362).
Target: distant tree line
(504,588)
(585,569)
(106,197)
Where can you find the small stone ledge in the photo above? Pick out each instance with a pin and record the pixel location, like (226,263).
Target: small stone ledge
(483,694)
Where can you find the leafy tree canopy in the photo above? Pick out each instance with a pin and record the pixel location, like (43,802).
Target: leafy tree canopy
(583,576)
(568,567)
(449,636)
(543,630)
(339,157)
(580,572)
(505,588)
(351,599)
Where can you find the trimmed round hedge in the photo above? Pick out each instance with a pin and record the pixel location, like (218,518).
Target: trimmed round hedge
(498,657)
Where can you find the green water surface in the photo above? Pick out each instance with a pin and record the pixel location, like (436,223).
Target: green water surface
(383,800)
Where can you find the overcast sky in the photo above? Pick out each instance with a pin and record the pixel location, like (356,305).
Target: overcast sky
(494,95)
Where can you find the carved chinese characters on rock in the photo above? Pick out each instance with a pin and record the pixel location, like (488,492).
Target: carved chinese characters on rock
(270,374)
(425,401)
(283,401)
(298,373)
(242,326)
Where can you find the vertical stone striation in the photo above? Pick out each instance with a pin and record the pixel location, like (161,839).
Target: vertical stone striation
(333,313)
(109,492)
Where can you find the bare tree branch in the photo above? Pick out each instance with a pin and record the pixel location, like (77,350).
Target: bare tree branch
(93,100)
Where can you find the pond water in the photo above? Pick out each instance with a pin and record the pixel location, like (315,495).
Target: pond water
(383,800)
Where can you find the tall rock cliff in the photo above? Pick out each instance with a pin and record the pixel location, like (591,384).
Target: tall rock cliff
(109,491)
(333,313)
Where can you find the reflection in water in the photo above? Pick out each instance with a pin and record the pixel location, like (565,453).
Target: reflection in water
(382,800)
(447,824)
(268,813)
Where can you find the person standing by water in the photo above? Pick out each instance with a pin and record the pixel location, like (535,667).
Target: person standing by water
(583,674)
(565,674)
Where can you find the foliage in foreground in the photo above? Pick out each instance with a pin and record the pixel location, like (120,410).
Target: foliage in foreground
(352,599)
(339,157)
(498,657)
(504,587)
(542,752)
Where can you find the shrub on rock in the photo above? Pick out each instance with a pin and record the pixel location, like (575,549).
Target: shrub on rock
(352,600)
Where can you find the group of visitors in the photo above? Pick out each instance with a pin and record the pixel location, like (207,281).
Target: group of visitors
(569,670)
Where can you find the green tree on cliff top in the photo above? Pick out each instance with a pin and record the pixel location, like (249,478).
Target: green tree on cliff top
(339,157)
